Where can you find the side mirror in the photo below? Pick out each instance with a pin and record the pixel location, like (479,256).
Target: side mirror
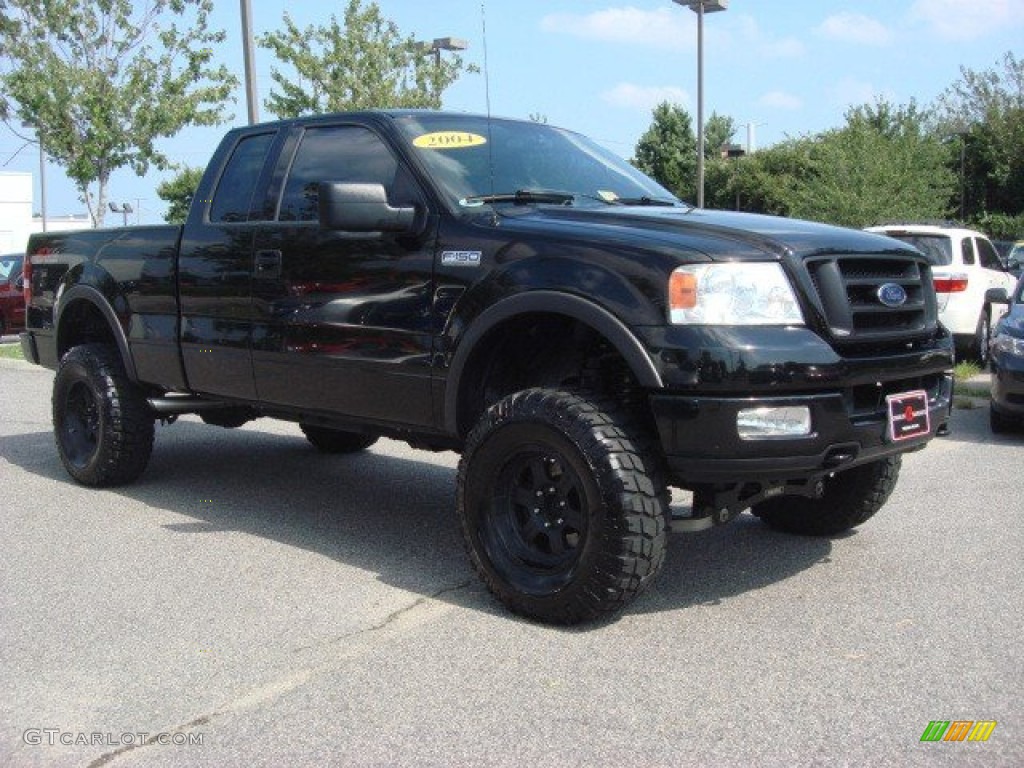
(358,207)
(19,283)
(997,296)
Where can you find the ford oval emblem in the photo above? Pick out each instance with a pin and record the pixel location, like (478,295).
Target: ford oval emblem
(892,295)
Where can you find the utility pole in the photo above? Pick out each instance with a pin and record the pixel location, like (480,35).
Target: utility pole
(251,98)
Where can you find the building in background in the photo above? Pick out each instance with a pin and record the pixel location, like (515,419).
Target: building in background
(16,219)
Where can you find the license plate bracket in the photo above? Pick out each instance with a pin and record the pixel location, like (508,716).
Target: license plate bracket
(908,415)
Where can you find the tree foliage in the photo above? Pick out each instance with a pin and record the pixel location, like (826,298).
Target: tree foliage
(178,193)
(100,81)
(667,150)
(886,162)
(362,62)
(882,165)
(985,111)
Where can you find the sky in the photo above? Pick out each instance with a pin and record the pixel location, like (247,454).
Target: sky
(779,69)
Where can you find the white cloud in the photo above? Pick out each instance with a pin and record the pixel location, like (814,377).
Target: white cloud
(856,28)
(644,97)
(957,20)
(754,38)
(780,100)
(665,27)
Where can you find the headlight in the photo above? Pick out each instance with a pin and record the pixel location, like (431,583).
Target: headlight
(732,294)
(1009,345)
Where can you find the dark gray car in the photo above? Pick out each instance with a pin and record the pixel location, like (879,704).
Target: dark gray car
(1006,408)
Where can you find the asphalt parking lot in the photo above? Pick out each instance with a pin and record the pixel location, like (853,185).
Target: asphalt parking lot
(251,602)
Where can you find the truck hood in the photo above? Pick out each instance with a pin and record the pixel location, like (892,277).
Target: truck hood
(716,234)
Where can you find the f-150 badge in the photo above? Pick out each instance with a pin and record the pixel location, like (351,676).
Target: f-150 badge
(461,258)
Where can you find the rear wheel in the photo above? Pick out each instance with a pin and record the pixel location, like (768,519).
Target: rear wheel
(563,513)
(850,498)
(336,440)
(102,424)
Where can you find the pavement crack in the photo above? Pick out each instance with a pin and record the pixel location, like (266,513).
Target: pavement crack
(110,757)
(273,690)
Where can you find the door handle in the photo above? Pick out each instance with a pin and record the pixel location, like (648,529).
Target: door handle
(268,264)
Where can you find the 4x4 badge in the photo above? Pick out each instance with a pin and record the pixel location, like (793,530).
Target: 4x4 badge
(892,295)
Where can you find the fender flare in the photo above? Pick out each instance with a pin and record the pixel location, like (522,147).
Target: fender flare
(82,292)
(548,302)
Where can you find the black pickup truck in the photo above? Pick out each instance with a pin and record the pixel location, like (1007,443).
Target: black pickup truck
(513,292)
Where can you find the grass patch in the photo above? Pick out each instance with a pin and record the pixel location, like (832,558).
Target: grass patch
(965,370)
(11,351)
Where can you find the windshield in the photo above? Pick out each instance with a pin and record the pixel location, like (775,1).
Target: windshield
(477,161)
(937,248)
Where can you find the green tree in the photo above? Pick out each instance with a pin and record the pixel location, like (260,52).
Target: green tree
(884,164)
(985,112)
(361,63)
(667,151)
(718,131)
(763,182)
(178,193)
(100,81)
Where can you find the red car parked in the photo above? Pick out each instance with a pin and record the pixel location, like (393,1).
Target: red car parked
(12,300)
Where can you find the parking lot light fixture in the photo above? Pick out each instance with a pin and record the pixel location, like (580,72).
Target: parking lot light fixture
(700,7)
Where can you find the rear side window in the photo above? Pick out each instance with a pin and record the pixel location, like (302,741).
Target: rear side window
(336,153)
(233,199)
(967,250)
(937,248)
(987,255)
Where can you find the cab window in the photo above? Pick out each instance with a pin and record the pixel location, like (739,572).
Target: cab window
(232,200)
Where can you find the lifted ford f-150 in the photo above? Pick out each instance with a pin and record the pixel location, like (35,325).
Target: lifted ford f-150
(513,292)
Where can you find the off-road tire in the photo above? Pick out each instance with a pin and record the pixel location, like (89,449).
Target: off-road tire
(101,421)
(335,440)
(564,511)
(850,499)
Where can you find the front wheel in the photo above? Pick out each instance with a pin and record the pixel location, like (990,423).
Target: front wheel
(563,513)
(102,424)
(850,498)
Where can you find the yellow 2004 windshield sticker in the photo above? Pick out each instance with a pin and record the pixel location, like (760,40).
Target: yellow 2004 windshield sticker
(448,140)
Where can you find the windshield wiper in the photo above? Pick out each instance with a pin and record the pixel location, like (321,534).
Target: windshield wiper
(523,197)
(646,201)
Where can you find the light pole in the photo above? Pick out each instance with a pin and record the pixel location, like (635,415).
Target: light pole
(42,174)
(700,7)
(443,44)
(446,44)
(125,208)
(250,65)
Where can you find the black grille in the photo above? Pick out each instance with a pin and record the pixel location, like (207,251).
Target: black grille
(850,289)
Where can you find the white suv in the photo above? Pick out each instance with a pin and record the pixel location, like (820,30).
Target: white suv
(965,265)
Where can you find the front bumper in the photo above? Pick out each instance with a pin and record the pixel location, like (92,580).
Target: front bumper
(848,427)
(1008,384)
